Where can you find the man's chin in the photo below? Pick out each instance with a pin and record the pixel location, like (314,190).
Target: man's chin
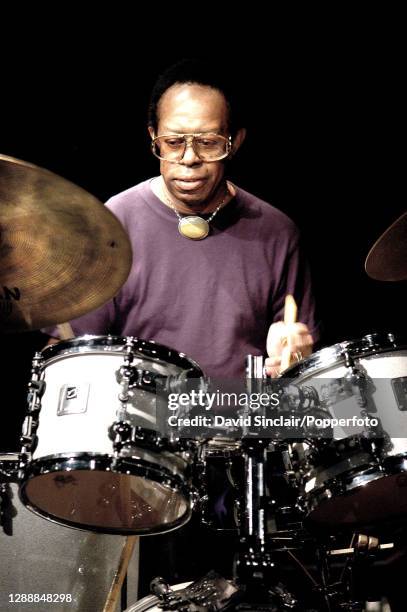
(193,201)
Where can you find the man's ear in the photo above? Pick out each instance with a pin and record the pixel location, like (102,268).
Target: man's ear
(237,141)
(151,131)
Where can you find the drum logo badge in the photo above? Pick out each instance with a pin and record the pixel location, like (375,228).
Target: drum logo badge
(73,399)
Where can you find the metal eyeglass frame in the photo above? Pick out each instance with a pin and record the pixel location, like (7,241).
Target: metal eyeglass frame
(189,139)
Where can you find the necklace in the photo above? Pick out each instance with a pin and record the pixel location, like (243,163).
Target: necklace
(192,226)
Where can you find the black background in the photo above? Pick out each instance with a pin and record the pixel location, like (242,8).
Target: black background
(323,146)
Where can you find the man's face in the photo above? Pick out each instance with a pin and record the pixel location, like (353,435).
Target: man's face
(187,109)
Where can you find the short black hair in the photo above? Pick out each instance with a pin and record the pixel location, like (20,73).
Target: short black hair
(200,72)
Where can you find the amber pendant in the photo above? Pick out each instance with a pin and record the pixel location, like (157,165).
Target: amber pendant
(194,228)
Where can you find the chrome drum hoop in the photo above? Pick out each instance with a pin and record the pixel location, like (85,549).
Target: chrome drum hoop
(368,346)
(142,349)
(62,465)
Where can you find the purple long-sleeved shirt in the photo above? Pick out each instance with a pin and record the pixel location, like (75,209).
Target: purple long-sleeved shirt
(212,299)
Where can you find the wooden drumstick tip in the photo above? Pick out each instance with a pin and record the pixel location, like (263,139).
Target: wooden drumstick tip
(290,310)
(114,592)
(290,317)
(65,331)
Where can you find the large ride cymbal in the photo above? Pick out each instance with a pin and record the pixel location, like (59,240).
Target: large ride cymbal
(62,252)
(387,259)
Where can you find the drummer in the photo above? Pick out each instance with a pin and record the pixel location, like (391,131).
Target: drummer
(212,262)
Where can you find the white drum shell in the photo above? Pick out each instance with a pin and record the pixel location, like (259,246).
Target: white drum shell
(84,425)
(365,484)
(380,367)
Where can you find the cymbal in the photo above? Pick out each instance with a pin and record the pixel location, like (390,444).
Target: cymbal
(387,259)
(62,252)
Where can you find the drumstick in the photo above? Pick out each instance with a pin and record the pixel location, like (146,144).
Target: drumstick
(65,331)
(290,317)
(114,592)
(290,310)
(349,551)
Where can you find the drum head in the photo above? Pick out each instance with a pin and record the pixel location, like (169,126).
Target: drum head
(91,496)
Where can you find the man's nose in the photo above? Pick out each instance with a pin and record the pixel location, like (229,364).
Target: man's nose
(190,158)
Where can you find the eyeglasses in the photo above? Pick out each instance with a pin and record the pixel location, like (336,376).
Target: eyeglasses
(208,147)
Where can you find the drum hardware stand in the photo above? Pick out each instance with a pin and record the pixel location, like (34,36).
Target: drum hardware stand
(254,373)
(363,551)
(255,565)
(7,510)
(5,503)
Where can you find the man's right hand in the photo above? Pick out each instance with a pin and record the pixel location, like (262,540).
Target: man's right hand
(300,344)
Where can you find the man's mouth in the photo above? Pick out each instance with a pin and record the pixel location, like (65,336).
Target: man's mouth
(189,184)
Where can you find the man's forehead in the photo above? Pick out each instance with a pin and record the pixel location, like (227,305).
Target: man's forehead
(181,127)
(192,108)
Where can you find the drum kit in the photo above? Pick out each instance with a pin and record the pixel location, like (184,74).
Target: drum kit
(93,457)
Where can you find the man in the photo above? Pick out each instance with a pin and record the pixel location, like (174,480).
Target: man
(212,263)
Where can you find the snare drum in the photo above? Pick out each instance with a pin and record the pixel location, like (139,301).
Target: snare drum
(85,395)
(357,479)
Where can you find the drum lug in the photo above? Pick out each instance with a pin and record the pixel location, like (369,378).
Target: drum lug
(36,389)
(120,433)
(354,375)
(124,377)
(28,438)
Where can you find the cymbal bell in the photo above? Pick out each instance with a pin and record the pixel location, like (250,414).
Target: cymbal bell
(62,252)
(387,259)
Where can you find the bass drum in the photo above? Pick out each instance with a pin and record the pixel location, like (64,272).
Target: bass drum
(359,476)
(44,566)
(85,393)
